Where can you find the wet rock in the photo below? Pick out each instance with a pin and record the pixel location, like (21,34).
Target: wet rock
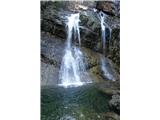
(90,29)
(111,116)
(53,18)
(46,60)
(109,7)
(77,6)
(93,63)
(51,52)
(91,58)
(109,91)
(108,70)
(114,49)
(49,74)
(109,88)
(114,103)
(109,84)
(95,75)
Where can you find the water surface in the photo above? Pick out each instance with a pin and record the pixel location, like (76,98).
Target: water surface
(76,103)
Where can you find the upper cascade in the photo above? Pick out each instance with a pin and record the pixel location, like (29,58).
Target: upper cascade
(73,28)
(72,71)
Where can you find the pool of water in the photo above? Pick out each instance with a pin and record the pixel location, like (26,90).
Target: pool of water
(77,103)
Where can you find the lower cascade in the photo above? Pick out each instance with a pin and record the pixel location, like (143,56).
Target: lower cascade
(72,71)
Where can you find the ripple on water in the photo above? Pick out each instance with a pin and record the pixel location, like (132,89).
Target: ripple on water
(67,117)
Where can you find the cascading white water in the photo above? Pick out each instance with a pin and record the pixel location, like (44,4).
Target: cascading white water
(72,67)
(104,68)
(73,26)
(110,37)
(103,32)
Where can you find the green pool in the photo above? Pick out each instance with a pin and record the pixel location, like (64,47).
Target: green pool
(77,103)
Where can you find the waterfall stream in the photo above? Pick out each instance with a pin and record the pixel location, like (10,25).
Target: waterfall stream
(104,67)
(72,68)
(103,32)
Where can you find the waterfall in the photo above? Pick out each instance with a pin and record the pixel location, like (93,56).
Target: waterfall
(72,68)
(104,67)
(105,70)
(103,32)
(103,29)
(110,37)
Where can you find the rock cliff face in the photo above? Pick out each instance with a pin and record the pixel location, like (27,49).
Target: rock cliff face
(53,40)
(54,34)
